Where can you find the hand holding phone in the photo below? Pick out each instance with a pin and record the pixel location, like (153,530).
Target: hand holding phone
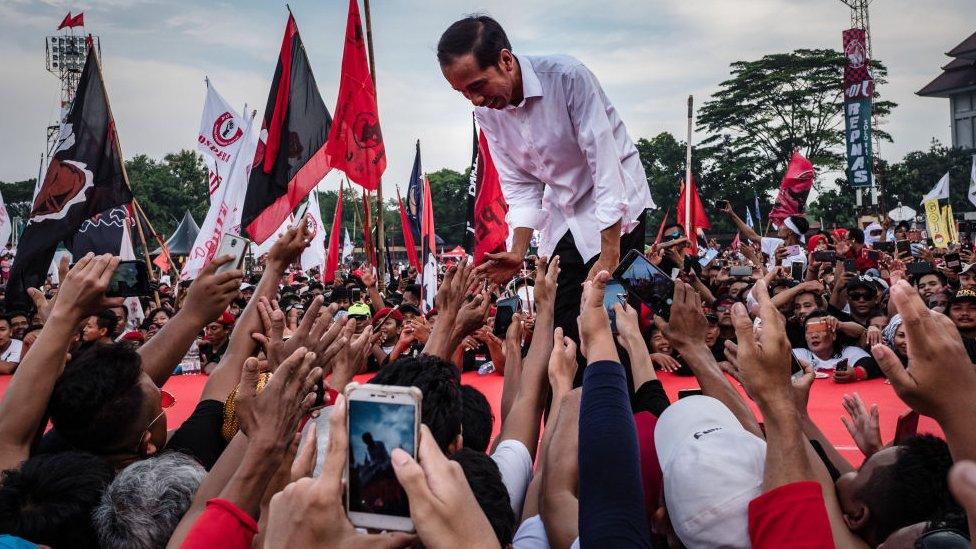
(615,293)
(504,313)
(646,282)
(130,279)
(234,246)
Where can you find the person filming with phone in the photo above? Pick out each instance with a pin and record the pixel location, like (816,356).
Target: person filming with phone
(785,248)
(567,166)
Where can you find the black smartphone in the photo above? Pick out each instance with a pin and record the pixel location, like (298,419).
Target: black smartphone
(919,268)
(850,265)
(885,246)
(903,247)
(615,293)
(906,427)
(721,204)
(689,392)
(504,311)
(841,365)
(130,279)
(874,255)
(740,270)
(357,294)
(796,270)
(953,263)
(649,284)
(825,256)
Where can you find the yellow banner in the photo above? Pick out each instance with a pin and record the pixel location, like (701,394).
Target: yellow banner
(934,224)
(949,222)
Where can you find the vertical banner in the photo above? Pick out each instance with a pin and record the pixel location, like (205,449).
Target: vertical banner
(858,92)
(934,224)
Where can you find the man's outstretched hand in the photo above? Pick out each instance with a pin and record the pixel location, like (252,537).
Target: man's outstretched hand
(501,267)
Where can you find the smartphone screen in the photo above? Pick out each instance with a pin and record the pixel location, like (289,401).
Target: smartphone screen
(646,282)
(504,311)
(740,270)
(615,293)
(689,392)
(903,247)
(850,265)
(375,430)
(841,365)
(952,262)
(796,270)
(824,256)
(919,268)
(130,279)
(793,250)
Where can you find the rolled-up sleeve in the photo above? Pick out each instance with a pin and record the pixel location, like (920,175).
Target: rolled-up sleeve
(523,192)
(594,133)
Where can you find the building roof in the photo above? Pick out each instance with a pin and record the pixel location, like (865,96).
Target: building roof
(958,75)
(966,48)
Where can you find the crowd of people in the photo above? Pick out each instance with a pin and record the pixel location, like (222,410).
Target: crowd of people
(612,461)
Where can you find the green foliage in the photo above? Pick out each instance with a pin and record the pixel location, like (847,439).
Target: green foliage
(17,196)
(166,188)
(907,181)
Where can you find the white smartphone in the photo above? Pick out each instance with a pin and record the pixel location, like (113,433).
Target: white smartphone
(233,245)
(380,418)
(302,210)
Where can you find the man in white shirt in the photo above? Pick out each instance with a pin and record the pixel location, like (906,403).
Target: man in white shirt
(783,250)
(566,164)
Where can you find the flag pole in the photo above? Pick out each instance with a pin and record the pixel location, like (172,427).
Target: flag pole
(125,175)
(380,232)
(687,204)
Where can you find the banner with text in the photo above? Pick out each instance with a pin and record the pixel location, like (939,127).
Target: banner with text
(858,93)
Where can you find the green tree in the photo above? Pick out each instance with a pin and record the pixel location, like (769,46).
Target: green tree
(775,105)
(166,188)
(17,196)
(907,181)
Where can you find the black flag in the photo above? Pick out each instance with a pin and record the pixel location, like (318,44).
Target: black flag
(83,179)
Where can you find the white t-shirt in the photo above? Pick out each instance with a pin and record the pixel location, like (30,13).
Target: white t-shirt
(769,244)
(12,354)
(851,353)
(531,534)
(515,464)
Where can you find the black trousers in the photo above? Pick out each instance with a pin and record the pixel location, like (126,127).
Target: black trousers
(572,275)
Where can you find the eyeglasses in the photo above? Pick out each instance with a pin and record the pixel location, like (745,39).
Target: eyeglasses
(860,296)
(722,309)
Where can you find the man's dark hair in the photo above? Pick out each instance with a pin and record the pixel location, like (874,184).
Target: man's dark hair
(801,223)
(476,419)
(50,499)
(856,235)
(440,383)
(340,293)
(485,481)
(915,488)
(412,289)
(479,35)
(938,274)
(97,398)
(109,320)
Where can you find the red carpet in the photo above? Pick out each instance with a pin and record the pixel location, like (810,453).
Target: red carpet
(825,403)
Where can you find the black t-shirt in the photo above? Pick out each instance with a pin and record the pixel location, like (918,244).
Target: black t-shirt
(199,436)
(210,354)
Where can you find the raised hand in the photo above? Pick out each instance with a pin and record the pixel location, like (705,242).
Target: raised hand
(444,510)
(863,424)
(82,290)
(562,363)
(287,249)
(596,342)
(665,362)
(309,512)
(546,275)
(472,315)
(687,325)
(763,361)
(271,417)
(500,268)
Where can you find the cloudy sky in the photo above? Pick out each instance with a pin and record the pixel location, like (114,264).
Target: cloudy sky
(649,55)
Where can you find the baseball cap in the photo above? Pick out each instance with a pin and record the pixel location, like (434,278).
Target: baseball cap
(385,313)
(359,309)
(134,335)
(964,294)
(712,469)
(406,308)
(226,319)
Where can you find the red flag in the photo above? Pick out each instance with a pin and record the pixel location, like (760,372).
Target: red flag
(692,218)
(77,21)
(290,159)
(335,238)
(490,208)
(162,261)
(736,242)
(794,190)
(428,240)
(66,22)
(664,223)
(407,235)
(368,249)
(355,143)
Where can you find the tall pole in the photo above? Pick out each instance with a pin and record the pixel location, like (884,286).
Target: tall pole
(380,232)
(687,204)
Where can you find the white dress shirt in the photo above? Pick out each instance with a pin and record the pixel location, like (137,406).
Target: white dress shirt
(564,157)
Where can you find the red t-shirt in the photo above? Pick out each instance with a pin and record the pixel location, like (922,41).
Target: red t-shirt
(793,516)
(222,524)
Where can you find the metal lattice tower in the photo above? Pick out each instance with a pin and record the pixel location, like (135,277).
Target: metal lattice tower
(861,19)
(64,57)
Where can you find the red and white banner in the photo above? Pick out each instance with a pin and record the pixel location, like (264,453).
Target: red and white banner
(226,207)
(220,137)
(314,254)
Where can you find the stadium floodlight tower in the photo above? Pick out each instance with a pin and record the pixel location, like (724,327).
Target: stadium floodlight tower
(65,56)
(861,19)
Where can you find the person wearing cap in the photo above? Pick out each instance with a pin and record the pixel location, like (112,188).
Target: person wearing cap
(214,345)
(790,233)
(360,314)
(386,332)
(133,338)
(862,295)
(967,277)
(962,312)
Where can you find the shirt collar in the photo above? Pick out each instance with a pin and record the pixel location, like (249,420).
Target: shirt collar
(531,87)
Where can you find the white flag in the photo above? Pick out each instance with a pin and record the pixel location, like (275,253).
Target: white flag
(221,136)
(314,254)
(260,249)
(940,191)
(429,282)
(972,182)
(5,225)
(226,207)
(132,305)
(749,221)
(347,246)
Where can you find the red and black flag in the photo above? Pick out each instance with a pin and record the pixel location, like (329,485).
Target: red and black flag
(355,143)
(66,22)
(290,159)
(84,178)
(490,208)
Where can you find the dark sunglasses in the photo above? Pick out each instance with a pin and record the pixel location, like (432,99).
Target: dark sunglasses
(860,296)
